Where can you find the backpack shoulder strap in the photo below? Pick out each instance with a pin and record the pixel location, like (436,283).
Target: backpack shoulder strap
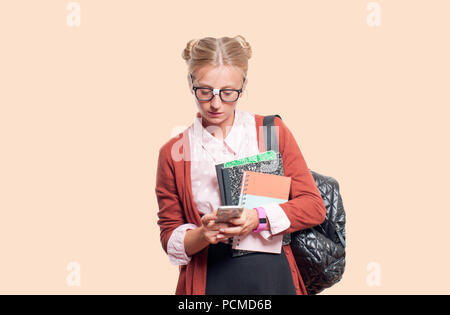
(271,142)
(270,136)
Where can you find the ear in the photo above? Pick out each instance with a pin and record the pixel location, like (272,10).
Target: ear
(190,84)
(244,87)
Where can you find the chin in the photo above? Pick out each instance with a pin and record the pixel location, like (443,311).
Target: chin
(220,118)
(213,120)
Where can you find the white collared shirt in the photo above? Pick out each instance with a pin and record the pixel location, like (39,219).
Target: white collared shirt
(207,151)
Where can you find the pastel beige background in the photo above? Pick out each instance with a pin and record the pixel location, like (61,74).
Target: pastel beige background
(84,110)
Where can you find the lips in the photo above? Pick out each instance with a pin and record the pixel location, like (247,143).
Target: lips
(215,114)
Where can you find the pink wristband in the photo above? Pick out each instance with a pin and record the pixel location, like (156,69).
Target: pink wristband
(262,219)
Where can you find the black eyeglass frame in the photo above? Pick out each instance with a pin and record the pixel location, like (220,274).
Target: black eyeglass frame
(215,91)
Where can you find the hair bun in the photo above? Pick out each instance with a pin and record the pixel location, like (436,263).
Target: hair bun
(245,45)
(187,52)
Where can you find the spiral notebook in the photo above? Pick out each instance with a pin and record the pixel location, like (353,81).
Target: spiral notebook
(259,189)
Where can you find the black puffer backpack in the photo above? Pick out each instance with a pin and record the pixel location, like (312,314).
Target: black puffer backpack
(319,251)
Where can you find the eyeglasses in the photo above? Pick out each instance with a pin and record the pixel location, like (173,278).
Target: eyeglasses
(206,94)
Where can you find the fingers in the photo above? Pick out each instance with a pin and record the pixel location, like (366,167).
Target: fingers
(231,231)
(212,231)
(239,221)
(219,226)
(240,226)
(213,226)
(215,237)
(222,231)
(242,220)
(207,218)
(212,239)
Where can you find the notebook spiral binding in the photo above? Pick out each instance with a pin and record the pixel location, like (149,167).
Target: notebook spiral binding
(243,198)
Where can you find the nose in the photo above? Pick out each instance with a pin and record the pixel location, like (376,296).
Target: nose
(216,102)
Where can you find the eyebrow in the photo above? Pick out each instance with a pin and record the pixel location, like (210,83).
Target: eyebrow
(224,87)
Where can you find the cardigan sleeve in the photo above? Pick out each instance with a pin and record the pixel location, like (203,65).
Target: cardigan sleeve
(278,220)
(305,207)
(175,246)
(170,214)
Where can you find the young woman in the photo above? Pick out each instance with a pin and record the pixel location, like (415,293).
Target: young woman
(188,193)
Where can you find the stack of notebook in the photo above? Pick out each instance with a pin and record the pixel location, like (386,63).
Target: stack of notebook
(229,174)
(251,182)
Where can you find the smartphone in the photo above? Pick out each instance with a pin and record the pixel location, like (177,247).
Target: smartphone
(226,213)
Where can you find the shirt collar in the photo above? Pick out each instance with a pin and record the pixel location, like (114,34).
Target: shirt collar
(211,143)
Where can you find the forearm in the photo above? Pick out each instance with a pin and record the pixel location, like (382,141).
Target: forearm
(194,241)
(304,212)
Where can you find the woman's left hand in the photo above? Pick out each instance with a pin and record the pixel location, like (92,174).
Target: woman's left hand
(242,226)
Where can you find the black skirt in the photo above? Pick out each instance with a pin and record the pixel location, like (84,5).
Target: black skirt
(252,274)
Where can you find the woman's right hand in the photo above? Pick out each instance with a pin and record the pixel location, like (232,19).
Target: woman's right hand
(208,233)
(210,229)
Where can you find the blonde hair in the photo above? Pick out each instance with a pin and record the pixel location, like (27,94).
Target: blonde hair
(229,51)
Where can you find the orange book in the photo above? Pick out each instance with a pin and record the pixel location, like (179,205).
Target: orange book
(258,189)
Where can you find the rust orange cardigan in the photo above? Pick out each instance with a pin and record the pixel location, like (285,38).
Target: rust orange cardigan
(176,204)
